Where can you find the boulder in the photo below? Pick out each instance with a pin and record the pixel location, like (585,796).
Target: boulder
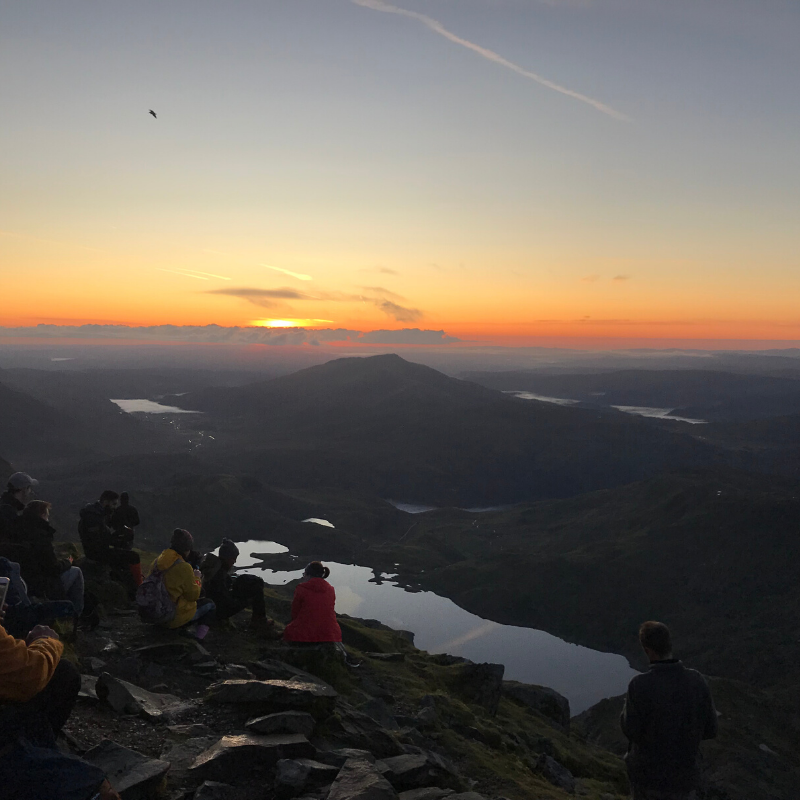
(420,770)
(479,683)
(360,780)
(214,790)
(556,773)
(294,776)
(283,722)
(233,757)
(379,711)
(426,793)
(541,699)
(133,775)
(125,698)
(276,695)
(92,664)
(270,669)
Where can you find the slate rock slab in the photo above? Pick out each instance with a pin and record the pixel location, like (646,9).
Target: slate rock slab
(181,755)
(361,731)
(283,722)
(133,775)
(294,776)
(276,695)
(214,790)
(88,690)
(270,669)
(235,757)
(542,699)
(360,780)
(125,698)
(556,773)
(339,756)
(418,770)
(166,652)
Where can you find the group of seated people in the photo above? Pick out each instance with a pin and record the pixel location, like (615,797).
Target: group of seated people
(205,589)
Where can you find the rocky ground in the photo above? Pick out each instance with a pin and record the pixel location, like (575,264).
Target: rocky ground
(248,718)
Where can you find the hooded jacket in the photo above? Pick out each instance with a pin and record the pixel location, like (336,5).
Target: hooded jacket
(313,614)
(182,585)
(41,568)
(26,669)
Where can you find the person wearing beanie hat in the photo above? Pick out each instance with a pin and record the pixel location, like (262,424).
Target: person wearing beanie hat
(234,593)
(184,585)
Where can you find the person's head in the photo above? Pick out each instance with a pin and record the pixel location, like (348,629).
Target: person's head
(316,570)
(123,499)
(181,542)
(109,499)
(228,553)
(655,640)
(21,485)
(38,508)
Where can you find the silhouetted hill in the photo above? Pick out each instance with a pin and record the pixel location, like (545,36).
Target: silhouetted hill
(712,554)
(702,394)
(406,431)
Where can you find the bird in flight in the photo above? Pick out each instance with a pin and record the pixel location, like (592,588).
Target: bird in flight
(153,113)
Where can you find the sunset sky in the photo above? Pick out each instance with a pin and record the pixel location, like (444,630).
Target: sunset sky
(502,170)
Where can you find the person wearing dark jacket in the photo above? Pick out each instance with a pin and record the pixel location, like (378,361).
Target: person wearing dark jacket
(668,711)
(18,492)
(124,519)
(99,541)
(313,613)
(47,576)
(233,593)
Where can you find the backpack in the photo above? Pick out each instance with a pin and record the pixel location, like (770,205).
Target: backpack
(153,602)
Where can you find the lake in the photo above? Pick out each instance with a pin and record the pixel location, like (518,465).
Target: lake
(141,406)
(582,675)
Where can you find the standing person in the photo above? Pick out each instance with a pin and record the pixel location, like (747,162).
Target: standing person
(46,575)
(668,711)
(233,593)
(38,691)
(184,585)
(99,541)
(18,492)
(313,614)
(124,519)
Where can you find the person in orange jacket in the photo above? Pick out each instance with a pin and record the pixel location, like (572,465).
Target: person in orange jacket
(38,691)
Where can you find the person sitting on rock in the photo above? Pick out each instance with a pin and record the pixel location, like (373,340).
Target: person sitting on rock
(38,691)
(101,544)
(313,614)
(668,711)
(184,586)
(46,575)
(233,593)
(18,492)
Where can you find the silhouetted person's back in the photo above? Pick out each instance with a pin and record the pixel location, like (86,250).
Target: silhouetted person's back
(124,515)
(668,712)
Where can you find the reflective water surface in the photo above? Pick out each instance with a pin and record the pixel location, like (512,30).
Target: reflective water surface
(582,675)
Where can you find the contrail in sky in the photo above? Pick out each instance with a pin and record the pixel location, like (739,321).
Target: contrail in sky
(299,275)
(437,27)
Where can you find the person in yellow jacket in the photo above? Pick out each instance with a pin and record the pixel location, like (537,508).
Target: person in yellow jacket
(37,694)
(184,585)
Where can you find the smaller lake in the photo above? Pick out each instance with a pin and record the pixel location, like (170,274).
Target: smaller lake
(142,406)
(582,675)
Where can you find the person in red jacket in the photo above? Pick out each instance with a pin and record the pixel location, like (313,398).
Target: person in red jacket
(313,614)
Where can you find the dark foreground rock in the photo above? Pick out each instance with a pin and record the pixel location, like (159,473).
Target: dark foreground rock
(214,790)
(360,780)
(427,793)
(278,695)
(133,775)
(545,701)
(361,731)
(419,770)
(125,698)
(295,776)
(233,758)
